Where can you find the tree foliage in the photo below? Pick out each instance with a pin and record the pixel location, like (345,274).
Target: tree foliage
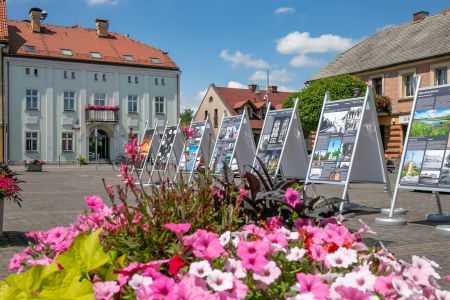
(186,116)
(311,97)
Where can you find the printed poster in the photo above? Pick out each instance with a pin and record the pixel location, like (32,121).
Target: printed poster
(188,159)
(226,142)
(165,149)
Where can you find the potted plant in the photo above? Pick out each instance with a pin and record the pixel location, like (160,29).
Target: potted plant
(383,103)
(81,160)
(33,165)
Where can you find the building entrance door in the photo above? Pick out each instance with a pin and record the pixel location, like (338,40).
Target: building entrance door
(98,144)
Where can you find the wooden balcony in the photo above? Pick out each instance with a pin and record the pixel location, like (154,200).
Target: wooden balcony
(102,116)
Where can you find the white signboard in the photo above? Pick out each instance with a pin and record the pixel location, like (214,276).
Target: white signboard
(282,146)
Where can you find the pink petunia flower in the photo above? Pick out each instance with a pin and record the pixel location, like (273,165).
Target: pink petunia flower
(206,244)
(268,274)
(178,229)
(164,288)
(254,262)
(292,197)
(259,248)
(253,229)
(239,291)
(243,192)
(56,235)
(312,284)
(94,202)
(106,290)
(350,293)
(383,284)
(235,267)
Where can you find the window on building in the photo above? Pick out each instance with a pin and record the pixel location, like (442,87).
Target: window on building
(136,79)
(30,49)
(129,79)
(67,52)
(132,103)
(216,118)
(96,76)
(27,71)
(72,75)
(32,99)
(100,99)
(36,72)
(31,141)
(96,55)
(210,99)
(69,100)
(156,81)
(206,114)
(408,85)
(65,74)
(441,76)
(377,84)
(159,105)
(67,141)
(128,57)
(104,77)
(163,81)
(155,60)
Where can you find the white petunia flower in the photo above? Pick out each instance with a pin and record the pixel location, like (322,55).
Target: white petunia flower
(220,281)
(268,274)
(295,254)
(342,258)
(235,267)
(137,281)
(200,269)
(290,235)
(224,239)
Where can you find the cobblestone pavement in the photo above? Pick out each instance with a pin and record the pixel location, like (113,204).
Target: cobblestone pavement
(56,196)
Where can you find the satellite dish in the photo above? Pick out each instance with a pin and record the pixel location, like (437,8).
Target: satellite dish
(44,15)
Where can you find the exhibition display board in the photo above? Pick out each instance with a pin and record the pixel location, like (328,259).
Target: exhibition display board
(234,145)
(282,146)
(425,162)
(169,152)
(148,148)
(348,144)
(197,148)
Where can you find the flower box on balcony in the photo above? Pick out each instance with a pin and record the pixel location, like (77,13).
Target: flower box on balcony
(102,107)
(103,113)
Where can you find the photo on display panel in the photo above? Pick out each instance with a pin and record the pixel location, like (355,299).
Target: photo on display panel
(335,175)
(429,177)
(264,143)
(315,173)
(431,122)
(411,167)
(445,174)
(343,165)
(433,159)
(346,151)
(284,129)
(334,149)
(333,122)
(275,131)
(353,118)
(271,159)
(319,158)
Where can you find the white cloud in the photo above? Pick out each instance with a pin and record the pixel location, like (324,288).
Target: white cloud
(236,85)
(239,58)
(278,75)
(284,10)
(102,2)
(300,44)
(282,88)
(201,94)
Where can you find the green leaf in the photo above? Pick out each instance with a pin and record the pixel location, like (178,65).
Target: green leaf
(30,280)
(11,293)
(85,254)
(66,284)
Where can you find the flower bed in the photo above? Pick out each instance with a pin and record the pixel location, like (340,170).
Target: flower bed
(213,240)
(102,107)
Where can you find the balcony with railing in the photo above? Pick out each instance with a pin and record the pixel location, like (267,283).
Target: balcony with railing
(101,114)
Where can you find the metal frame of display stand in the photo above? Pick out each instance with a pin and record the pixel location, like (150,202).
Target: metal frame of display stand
(155,139)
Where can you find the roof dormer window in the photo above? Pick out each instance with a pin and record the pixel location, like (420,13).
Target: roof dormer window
(155,60)
(30,49)
(128,57)
(66,52)
(96,55)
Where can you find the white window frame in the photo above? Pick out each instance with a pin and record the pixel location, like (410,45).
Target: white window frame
(26,99)
(67,139)
(29,71)
(160,100)
(129,79)
(135,99)
(94,98)
(433,78)
(64,101)
(372,77)
(66,52)
(401,85)
(31,143)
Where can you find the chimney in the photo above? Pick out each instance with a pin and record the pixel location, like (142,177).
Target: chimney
(420,15)
(252,87)
(273,89)
(102,27)
(35,19)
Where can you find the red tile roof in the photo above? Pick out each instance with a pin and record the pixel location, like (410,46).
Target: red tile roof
(3,23)
(236,98)
(256,124)
(81,41)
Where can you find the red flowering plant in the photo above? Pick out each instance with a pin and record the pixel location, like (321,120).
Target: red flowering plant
(102,107)
(9,184)
(383,103)
(33,162)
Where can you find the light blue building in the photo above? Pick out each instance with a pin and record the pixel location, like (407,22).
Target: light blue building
(63,83)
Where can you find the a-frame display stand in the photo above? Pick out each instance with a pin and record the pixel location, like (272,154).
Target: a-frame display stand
(348,146)
(282,146)
(150,142)
(168,154)
(426,156)
(196,148)
(234,142)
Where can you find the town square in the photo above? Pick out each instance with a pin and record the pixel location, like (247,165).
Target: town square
(224,150)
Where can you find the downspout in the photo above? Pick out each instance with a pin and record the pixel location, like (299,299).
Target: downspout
(178,97)
(6,121)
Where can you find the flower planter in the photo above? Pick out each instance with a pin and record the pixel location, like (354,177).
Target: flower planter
(33,168)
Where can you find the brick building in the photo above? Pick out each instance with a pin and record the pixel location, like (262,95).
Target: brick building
(390,60)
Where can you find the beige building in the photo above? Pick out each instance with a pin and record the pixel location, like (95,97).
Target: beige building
(390,60)
(233,101)
(3,49)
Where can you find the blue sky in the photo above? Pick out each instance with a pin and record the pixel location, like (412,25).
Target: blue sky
(233,43)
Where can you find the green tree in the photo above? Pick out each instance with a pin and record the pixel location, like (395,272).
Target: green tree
(311,97)
(186,116)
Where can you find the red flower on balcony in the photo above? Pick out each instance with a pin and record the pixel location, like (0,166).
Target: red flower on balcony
(102,107)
